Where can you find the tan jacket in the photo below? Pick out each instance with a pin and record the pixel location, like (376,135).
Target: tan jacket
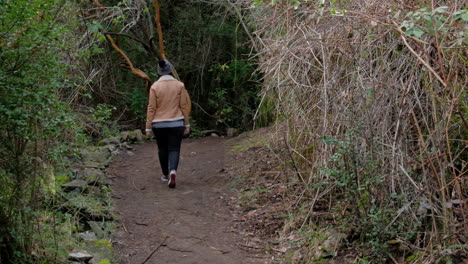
(168,101)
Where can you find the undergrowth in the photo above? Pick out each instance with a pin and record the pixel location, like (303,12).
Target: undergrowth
(372,113)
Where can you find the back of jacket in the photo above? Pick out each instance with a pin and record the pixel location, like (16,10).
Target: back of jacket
(168,101)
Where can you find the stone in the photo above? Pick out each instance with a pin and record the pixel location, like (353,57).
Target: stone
(75,184)
(232,132)
(332,243)
(96,158)
(109,141)
(94,191)
(87,236)
(83,174)
(96,228)
(92,261)
(80,256)
(138,135)
(74,192)
(214,135)
(93,176)
(126,146)
(88,207)
(124,136)
(94,164)
(208,132)
(75,172)
(114,149)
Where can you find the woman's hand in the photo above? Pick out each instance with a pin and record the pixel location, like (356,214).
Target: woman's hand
(187,131)
(148,133)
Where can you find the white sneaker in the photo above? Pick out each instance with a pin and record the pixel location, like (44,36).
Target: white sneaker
(171,182)
(164,178)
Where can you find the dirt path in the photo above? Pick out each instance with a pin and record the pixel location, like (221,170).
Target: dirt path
(192,218)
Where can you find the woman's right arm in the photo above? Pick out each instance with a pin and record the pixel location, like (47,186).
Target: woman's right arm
(186,107)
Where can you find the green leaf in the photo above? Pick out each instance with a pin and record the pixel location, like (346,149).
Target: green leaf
(441,9)
(416,32)
(464,16)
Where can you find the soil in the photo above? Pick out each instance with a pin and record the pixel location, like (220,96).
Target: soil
(192,223)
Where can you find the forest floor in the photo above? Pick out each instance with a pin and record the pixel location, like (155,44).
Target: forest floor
(193,223)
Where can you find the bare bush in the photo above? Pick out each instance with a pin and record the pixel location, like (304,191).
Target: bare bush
(373,95)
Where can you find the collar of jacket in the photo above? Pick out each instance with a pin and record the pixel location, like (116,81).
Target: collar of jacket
(166,78)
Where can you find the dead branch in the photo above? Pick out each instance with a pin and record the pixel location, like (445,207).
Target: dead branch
(160,244)
(145,45)
(134,70)
(157,21)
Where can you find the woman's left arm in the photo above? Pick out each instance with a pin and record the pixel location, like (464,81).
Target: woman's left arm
(150,111)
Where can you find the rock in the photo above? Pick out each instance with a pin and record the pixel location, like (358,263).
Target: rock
(74,192)
(138,135)
(232,132)
(126,146)
(96,229)
(214,135)
(93,176)
(209,132)
(75,184)
(94,164)
(114,149)
(75,172)
(109,141)
(124,136)
(332,243)
(97,158)
(88,207)
(94,191)
(80,256)
(88,236)
(83,174)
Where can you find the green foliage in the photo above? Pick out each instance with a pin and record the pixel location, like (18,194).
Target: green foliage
(295,3)
(34,123)
(138,101)
(438,21)
(357,182)
(104,261)
(99,121)
(233,97)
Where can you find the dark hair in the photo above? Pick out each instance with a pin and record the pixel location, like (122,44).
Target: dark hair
(162,63)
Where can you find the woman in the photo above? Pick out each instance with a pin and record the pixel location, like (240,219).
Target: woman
(168,113)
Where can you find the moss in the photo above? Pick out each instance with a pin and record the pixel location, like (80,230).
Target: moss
(248,144)
(414,257)
(104,261)
(89,206)
(61,179)
(103,243)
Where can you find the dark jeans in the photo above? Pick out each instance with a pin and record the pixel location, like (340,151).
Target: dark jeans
(169,139)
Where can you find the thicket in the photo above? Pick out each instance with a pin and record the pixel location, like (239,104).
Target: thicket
(371,102)
(202,39)
(37,127)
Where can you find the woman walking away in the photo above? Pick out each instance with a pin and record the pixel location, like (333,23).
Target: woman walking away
(168,113)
